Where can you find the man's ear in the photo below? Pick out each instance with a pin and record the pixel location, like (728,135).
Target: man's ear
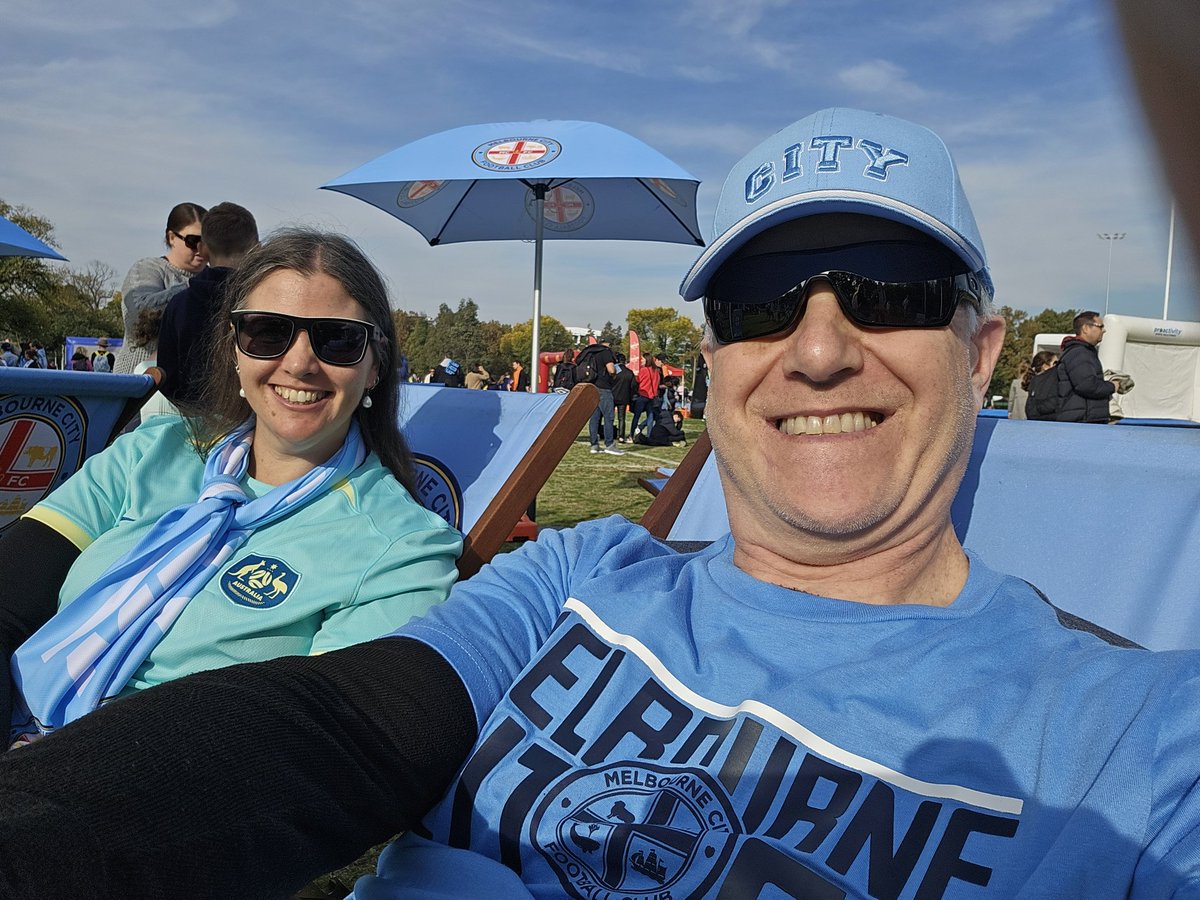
(706,349)
(985,350)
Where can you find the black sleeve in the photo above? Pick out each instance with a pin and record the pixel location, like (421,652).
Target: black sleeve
(241,782)
(1086,377)
(169,357)
(34,560)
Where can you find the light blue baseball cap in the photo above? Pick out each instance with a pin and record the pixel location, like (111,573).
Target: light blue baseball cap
(842,160)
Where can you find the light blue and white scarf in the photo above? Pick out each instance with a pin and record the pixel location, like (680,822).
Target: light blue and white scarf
(89,650)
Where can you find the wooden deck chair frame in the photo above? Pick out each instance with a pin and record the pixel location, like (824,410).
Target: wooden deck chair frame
(664,508)
(492,529)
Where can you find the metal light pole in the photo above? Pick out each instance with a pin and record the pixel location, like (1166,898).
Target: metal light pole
(1170,252)
(1111,238)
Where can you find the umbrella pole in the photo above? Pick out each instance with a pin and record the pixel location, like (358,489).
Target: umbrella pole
(539,193)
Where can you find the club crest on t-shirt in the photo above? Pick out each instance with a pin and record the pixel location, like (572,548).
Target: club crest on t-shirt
(634,830)
(259,582)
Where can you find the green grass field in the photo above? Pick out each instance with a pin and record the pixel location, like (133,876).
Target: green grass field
(589,486)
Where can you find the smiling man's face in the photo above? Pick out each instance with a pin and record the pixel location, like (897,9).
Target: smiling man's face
(851,435)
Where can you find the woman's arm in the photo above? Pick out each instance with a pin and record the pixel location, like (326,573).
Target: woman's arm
(240,782)
(34,561)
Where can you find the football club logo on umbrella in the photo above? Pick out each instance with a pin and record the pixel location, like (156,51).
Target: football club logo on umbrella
(568,207)
(414,192)
(516,154)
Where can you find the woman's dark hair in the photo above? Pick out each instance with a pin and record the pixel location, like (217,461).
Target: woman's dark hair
(181,216)
(145,329)
(1042,360)
(308,252)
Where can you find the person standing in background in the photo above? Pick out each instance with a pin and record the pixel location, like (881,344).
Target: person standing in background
(152,281)
(624,390)
(229,233)
(1017,394)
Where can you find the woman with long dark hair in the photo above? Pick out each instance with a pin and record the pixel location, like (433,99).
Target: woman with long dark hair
(276,520)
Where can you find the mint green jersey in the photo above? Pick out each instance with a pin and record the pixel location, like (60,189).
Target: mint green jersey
(349,566)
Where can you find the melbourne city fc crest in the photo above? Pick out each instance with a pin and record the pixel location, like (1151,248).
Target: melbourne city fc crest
(413,193)
(637,831)
(568,207)
(41,446)
(516,154)
(438,490)
(259,582)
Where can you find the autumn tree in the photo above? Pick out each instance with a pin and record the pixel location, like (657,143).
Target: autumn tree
(1020,331)
(518,342)
(666,333)
(25,281)
(95,284)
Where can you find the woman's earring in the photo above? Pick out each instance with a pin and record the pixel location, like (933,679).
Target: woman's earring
(367,402)
(242,393)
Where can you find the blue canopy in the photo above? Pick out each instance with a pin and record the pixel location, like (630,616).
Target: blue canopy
(16,241)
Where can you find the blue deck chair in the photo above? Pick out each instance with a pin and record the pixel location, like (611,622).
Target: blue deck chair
(482,456)
(51,421)
(1104,520)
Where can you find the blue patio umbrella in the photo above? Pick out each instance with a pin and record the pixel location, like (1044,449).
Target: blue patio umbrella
(539,181)
(16,241)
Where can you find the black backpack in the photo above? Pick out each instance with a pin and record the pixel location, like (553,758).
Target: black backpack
(587,367)
(1043,402)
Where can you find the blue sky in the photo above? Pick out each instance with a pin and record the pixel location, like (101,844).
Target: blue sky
(114,112)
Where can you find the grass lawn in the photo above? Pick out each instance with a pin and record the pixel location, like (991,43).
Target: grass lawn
(590,486)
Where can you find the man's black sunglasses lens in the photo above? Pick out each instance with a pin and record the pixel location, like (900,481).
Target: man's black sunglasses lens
(745,304)
(339,342)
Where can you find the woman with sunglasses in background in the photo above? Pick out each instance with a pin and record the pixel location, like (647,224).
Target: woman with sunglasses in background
(152,280)
(277,520)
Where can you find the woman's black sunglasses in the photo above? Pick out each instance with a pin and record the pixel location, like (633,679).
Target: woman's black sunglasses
(192,240)
(268,335)
(758,297)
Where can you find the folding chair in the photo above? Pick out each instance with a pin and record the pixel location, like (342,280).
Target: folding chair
(1104,520)
(482,456)
(51,421)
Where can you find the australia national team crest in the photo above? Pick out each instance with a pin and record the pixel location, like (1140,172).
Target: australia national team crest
(438,490)
(41,446)
(259,582)
(413,193)
(568,207)
(516,154)
(636,830)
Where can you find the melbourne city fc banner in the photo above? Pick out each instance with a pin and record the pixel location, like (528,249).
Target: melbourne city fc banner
(50,422)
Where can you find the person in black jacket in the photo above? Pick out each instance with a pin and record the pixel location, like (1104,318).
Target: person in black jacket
(623,391)
(1082,391)
(229,232)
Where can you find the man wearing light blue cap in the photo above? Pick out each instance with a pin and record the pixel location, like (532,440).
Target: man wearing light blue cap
(833,701)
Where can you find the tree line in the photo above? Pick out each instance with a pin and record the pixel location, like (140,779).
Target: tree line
(49,302)
(46,302)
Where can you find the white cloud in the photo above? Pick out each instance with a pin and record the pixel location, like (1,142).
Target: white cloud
(880,79)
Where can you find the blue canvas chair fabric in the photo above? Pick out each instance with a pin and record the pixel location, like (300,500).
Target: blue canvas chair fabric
(51,421)
(1104,521)
(482,456)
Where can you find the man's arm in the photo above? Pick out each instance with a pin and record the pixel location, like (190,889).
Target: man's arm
(170,339)
(240,782)
(1086,380)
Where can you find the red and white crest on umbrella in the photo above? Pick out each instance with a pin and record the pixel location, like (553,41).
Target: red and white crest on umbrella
(414,192)
(568,207)
(515,154)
